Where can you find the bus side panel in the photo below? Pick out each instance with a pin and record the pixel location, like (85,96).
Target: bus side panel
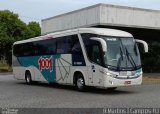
(43,66)
(79,65)
(50,68)
(18,70)
(63,72)
(63,68)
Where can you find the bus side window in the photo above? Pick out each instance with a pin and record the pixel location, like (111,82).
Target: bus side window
(76,51)
(69,45)
(76,47)
(50,46)
(62,46)
(17,50)
(45,47)
(28,49)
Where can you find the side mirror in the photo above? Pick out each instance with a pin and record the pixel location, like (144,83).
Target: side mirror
(144,44)
(103,43)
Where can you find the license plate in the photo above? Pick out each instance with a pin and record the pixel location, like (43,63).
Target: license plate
(127,82)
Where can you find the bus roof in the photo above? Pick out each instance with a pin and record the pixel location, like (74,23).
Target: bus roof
(105,31)
(100,31)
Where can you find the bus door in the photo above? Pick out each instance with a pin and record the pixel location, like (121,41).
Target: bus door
(96,67)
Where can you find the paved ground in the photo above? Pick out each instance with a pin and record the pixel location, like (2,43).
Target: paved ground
(16,94)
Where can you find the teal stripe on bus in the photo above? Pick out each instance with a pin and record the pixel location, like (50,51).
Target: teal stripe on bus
(46,65)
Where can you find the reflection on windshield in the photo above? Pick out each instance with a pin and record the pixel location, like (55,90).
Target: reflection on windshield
(122,53)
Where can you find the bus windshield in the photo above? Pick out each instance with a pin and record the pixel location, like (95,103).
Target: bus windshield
(122,53)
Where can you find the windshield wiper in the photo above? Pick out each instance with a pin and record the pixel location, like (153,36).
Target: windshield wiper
(130,59)
(120,59)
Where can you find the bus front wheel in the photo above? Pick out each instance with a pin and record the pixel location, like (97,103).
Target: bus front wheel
(80,83)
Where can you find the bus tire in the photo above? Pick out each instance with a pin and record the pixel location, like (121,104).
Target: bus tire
(28,78)
(80,83)
(111,88)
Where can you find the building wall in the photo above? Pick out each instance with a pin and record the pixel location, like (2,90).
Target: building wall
(129,17)
(103,14)
(81,18)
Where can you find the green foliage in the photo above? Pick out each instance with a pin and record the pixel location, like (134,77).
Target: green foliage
(35,28)
(27,33)
(151,61)
(5,48)
(32,30)
(13,29)
(11,25)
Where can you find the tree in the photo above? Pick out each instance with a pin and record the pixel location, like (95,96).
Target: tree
(6,49)
(11,25)
(13,29)
(151,60)
(35,28)
(32,30)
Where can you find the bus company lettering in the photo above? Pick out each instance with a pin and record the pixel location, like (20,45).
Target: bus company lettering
(45,63)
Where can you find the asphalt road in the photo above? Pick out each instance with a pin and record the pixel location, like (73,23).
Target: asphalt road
(16,94)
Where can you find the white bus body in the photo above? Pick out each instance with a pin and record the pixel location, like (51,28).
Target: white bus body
(83,57)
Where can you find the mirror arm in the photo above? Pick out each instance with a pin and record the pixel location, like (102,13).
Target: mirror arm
(144,44)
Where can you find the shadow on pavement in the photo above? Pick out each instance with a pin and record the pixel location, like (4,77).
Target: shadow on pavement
(93,90)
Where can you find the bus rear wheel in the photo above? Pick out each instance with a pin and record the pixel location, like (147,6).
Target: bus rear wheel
(80,83)
(28,78)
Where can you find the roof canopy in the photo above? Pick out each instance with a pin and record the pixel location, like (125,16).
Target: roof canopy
(103,14)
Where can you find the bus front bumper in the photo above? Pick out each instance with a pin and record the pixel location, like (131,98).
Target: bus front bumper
(115,82)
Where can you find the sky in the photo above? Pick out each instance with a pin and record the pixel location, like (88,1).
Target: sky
(36,10)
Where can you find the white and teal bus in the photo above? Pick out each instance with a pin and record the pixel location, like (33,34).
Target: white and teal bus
(82,57)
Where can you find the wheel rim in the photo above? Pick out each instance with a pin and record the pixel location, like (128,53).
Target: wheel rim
(80,83)
(28,79)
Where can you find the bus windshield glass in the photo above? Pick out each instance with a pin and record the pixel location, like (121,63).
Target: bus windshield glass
(122,53)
